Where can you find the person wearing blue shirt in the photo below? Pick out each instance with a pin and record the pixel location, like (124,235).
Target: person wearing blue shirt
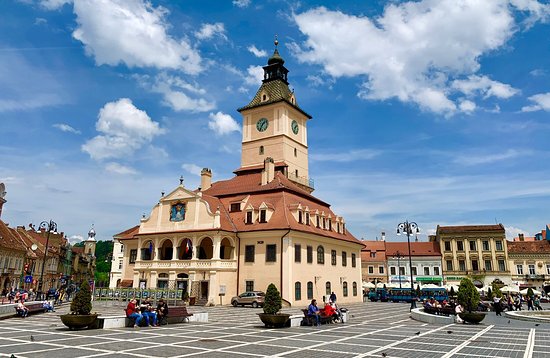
(313,311)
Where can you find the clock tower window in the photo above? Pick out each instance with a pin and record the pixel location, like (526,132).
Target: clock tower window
(295,152)
(261,150)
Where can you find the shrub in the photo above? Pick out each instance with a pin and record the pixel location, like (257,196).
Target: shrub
(82,301)
(490,294)
(272,302)
(496,290)
(468,295)
(530,292)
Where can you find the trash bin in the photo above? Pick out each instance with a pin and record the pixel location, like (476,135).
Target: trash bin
(344,312)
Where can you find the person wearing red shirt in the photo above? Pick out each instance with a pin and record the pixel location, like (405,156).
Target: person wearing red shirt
(133,313)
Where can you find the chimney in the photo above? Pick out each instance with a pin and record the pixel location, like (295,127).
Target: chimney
(383,236)
(206,179)
(521,238)
(268,174)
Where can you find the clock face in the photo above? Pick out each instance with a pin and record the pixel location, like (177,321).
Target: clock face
(262,124)
(294,126)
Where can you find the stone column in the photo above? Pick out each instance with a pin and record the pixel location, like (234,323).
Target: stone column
(136,279)
(153,277)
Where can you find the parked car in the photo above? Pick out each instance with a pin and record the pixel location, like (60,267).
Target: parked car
(253,298)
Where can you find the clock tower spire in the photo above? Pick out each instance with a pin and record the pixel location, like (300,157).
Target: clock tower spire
(275,126)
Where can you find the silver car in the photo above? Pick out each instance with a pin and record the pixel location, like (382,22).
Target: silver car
(253,298)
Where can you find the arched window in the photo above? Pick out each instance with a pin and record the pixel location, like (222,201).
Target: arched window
(166,250)
(297,291)
(328,290)
(226,250)
(345,289)
(355,288)
(186,250)
(206,249)
(320,255)
(310,290)
(147,251)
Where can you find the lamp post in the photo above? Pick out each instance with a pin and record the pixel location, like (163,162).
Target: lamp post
(409,228)
(50,226)
(399,256)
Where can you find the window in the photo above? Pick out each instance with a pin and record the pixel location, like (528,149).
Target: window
(414,271)
(354,287)
(373,254)
(310,290)
(501,265)
(271,253)
(344,258)
(333,257)
(449,265)
(328,288)
(235,207)
(371,270)
(249,285)
(248,217)
(547,269)
(317,216)
(295,152)
(402,270)
(297,253)
(249,252)
(345,289)
(519,269)
(324,222)
(353,260)
(392,270)
(488,265)
(120,264)
(261,150)
(460,246)
(320,255)
(498,245)
(307,218)
(310,254)
(475,265)
(436,271)
(485,245)
(330,224)
(121,248)
(300,217)
(297,291)
(262,216)
(133,256)
(381,270)
(461,265)
(472,245)
(296,172)
(426,271)
(447,246)
(531,269)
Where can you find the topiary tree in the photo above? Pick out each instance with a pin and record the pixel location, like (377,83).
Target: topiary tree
(496,290)
(468,295)
(82,301)
(530,292)
(272,302)
(452,292)
(490,294)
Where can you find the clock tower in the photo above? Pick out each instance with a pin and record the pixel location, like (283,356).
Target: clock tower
(275,126)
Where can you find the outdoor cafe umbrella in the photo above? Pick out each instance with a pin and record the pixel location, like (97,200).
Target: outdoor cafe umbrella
(524,292)
(509,289)
(368,285)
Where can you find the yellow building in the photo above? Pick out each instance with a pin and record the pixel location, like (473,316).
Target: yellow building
(530,264)
(262,226)
(475,251)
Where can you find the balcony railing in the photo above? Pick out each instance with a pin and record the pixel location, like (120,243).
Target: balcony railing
(187,264)
(310,183)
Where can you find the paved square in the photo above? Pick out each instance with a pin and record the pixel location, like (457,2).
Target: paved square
(373,329)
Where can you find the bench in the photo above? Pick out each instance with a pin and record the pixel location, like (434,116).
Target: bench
(33,308)
(442,311)
(310,321)
(178,314)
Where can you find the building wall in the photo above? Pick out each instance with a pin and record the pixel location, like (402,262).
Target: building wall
(535,269)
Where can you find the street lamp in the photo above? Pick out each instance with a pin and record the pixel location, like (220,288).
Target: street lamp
(399,256)
(50,226)
(409,228)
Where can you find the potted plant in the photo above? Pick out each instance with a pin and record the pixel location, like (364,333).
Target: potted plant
(469,299)
(272,305)
(81,307)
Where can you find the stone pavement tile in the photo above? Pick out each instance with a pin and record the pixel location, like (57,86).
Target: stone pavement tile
(130,335)
(292,342)
(363,342)
(201,334)
(317,354)
(117,345)
(161,339)
(207,343)
(344,348)
(271,333)
(225,355)
(258,349)
(404,353)
(76,341)
(245,338)
(424,346)
(165,351)
(62,353)
(22,347)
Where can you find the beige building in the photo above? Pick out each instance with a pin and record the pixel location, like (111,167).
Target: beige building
(373,262)
(475,251)
(530,264)
(262,226)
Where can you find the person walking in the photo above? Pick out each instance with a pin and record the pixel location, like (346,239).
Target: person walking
(536,303)
(497,306)
(332,297)
(530,303)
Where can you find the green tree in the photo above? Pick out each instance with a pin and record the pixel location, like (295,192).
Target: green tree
(272,302)
(490,294)
(530,292)
(82,302)
(468,295)
(452,292)
(496,290)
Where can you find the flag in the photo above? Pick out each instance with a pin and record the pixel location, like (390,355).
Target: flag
(187,246)
(150,246)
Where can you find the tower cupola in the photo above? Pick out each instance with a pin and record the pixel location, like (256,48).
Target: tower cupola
(275,69)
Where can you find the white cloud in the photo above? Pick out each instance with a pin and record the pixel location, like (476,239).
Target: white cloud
(352,155)
(54,4)
(512,232)
(222,123)
(173,89)
(208,31)
(541,102)
(241,3)
(467,106)
(471,159)
(66,128)
(256,52)
(412,52)
(192,168)
(124,129)
(132,32)
(117,168)
(536,10)
(75,239)
(485,86)
(254,76)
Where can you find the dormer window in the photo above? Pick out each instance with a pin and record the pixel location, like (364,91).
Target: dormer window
(338,227)
(235,207)
(307,218)
(263,216)
(317,221)
(324,226)
(248,219)
(330,224)
(300,217)
(264,98)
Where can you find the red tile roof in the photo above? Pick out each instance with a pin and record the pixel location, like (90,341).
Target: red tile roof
(376,247)
(127,234)
(529,247)
(9,238)
(417,249)
(468,228)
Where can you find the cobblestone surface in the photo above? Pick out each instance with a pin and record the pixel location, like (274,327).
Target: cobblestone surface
(373,330)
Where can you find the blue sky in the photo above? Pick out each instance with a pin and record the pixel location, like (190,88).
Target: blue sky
(435,111)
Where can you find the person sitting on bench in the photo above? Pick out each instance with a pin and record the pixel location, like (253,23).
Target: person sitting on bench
(132,312)
(22,310)
(162,312)
(313,312)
